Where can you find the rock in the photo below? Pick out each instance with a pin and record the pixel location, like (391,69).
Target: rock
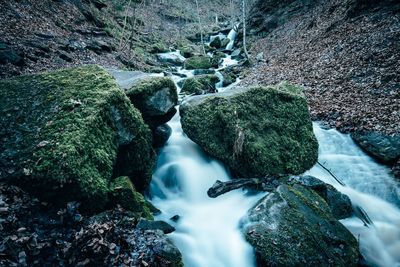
(158,48)
(174,58)
(8,55)
(200,84)
(73,45)
(167,252)
(189,50)
(256,131)
(123,192)
(218,56)
(200,62)
(65,56)
(260,56)
(216,43)
(396,169)
(236,54)
(225,42)
(161,135)
(293,226)
(229,76)
(256,184)
(99,46)
(156,98)
(385,148)
(339,203)
(99,3)
(65,133)
(203,71)
(144,224)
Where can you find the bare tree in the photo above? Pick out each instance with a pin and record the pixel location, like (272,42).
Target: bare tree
(244,28)
(200,27)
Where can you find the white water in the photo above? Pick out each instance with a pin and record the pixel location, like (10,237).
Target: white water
(370,186)
(232,36)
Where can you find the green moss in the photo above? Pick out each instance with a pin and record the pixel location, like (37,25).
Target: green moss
(200,84)
(123,192)
(61,133)
(200,62)
(158,48)
(257,131)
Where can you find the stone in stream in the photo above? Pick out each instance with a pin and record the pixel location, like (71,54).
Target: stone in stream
(200,62)
(293,226)
(144,224)
(174,58)
(65,134)
(256,131)
(161,135)
(155,97)
(216,43)
(200,84)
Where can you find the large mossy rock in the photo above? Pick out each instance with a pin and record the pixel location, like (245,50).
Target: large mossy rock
(293,226)
(200,84)
(255,131)
(64,134)
(156,98)
(200,62)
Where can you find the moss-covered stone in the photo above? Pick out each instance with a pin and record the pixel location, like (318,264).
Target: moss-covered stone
(156,98)
(200,62)
(200,84)
(63,132)
(293,226)
(158,48)
(123,193)
(255,131)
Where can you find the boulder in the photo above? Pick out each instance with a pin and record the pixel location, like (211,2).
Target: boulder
(200,62)
(200,84)
(144,224)
(225,42)
(174,58)
(8,55)
(339,203)
(156,98)
(385,148)
(293,226)
(64,134)
(161,135)
(256,131)
(123,192)
(216,42)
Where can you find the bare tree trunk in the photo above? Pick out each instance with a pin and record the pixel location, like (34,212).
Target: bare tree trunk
(244,29)
(201,28)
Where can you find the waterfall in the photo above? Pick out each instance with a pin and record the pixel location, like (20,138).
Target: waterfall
(232,36)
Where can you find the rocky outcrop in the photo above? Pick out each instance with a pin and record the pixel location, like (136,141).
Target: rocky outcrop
(293,226)
(65,133)
(156,98)
(201,84)
(256,131)
(200,62)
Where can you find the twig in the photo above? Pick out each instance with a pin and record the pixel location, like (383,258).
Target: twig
(336,178)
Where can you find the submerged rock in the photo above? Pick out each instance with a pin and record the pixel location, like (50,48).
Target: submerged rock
(293,226)
(64,132)
(200,84)
(156,98)
(200,62)
(256,131)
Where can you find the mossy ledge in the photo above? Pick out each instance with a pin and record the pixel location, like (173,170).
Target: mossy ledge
(63,131)
(256,131)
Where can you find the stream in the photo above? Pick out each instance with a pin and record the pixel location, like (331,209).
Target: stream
(207,230)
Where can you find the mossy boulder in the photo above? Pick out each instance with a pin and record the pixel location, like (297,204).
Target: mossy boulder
(293,226)
(156,98)
(200,84)
(65,133)
(200,62)
(216,43)
(256,131)
(123,193)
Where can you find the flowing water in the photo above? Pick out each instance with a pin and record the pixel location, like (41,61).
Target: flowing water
(207,230)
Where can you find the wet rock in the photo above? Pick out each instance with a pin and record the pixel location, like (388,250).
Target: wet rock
(161,135)
(225,42)
(173,58)
(203,71)
(144,224)
(293,226)
(236,54)
(200,62)
(200,84)
(256,131)
(385,148)
(71,143)
(339,203)
(396,169)
(216,43)
(156,98)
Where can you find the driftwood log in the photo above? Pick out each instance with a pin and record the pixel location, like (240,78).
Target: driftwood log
(257,184)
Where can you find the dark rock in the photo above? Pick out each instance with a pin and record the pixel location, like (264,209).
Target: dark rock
(216,43)
(71,143)
(99,46)
(256,131)
(144,224)
(293,226)
(65,56)
(161,135)
(175,218)
(8,55)
(200,84)
(256,184)
(225,42)
(203,71)
(385,148)
(73,45)
(99,3)
(339,203)
(396,169)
